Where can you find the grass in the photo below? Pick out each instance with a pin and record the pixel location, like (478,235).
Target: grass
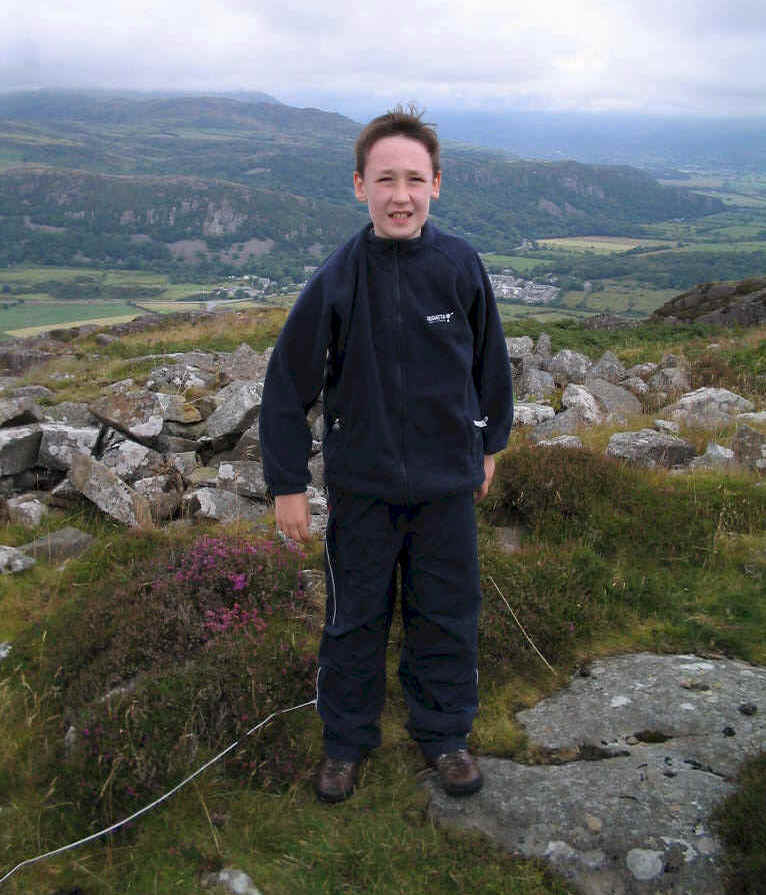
(584,585)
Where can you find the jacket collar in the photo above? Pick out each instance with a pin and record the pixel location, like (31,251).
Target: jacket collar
(401,246)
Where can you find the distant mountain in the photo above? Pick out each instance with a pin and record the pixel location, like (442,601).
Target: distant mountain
(721,304)
(121,178)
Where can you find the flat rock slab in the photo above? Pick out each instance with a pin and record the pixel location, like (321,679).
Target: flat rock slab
(663,736)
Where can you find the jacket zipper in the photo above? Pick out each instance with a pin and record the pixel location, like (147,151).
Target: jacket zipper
(400,368)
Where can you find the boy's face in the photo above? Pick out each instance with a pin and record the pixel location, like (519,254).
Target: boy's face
(398,185)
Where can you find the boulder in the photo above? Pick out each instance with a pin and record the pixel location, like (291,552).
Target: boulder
(749,447)
(26,509)
(59,441)
(249,445)
(163,492)
(103,487)
(607,367)
(139,414)
(176,409)
(635,384)
(569,366)
(615,402)
(226,506)
(72,413)
(238,407)
(19,448)
(518,347)
(672,379)
(245,363)
(642,371)
(59,545)
(243,477)
(544,348)
(19,412)
(708,407)
(185,462)
(531,414)
(535,383)
(568,422)
(13,560)
(649,448)
(130,460)
(36,392)
(715,457)
(316,470)
(181,377)
(579,397)
(571,442)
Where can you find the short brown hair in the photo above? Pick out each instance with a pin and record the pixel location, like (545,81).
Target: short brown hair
(399,121)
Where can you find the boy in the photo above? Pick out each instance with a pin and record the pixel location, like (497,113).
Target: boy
(400,329)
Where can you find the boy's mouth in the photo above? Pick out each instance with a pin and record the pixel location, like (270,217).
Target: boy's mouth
(400,215)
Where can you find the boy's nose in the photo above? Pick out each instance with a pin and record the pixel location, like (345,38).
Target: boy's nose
(400,191)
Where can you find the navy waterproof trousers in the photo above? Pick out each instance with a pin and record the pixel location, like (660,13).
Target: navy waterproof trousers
(434,545)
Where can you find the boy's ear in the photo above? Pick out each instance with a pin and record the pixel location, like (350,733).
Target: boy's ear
(436,185)
(359,190)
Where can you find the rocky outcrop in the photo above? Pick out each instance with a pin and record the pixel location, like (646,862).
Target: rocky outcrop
(720,304)
(632,756)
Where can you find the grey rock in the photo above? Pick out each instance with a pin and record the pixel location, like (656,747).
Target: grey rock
(568,422)
(249,445)
(642,371)
(615,402)
(245,363)
(13,560)
(5,651)
(36,392)
(59,441)
(236,881)
(518,347)
(669,426)
(615,825)
(535,383)
(608,367)
(175,444)
(715,457)
(66,496)
(59,545)
(759,417)
(544,349)
(26,510)
(243,477)
(670,361)
(579,397)
(707,407)
(178,410)
(72,413)
(19,412)
(181,377)
(190,431)
(19,448)
(130,460)
(571,442)
(238,406)
(139,414)
(204,477)
(670,379)
(317,501)
(184,462)
(163,493)
(569,366)
(122,386)
(635,385)
(212,503)
(108,492)
(749,447)
(649,448)
(525,414)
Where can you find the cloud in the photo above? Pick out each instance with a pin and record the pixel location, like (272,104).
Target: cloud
(691,55)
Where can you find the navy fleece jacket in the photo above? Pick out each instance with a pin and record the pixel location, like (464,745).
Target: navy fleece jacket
(405,338)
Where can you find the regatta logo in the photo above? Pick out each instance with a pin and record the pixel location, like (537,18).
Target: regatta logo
(440,318)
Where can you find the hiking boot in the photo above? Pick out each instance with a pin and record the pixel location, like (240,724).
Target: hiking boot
(458,772)
(335,779)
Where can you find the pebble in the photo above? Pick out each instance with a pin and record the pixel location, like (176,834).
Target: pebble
(594,824)
(644,864)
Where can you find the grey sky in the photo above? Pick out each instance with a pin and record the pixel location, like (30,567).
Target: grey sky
(685,56)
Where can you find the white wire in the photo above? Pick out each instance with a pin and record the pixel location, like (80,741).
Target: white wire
(167,795)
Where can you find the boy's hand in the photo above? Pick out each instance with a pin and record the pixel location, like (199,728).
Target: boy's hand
(293,515)
(489,474)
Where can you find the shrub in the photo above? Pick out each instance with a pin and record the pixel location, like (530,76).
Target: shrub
(173,666)
(740,823)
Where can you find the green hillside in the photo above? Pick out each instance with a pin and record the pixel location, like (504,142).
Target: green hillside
(121,178)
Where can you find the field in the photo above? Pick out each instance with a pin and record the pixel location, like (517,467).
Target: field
(602,244)
(33,317)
